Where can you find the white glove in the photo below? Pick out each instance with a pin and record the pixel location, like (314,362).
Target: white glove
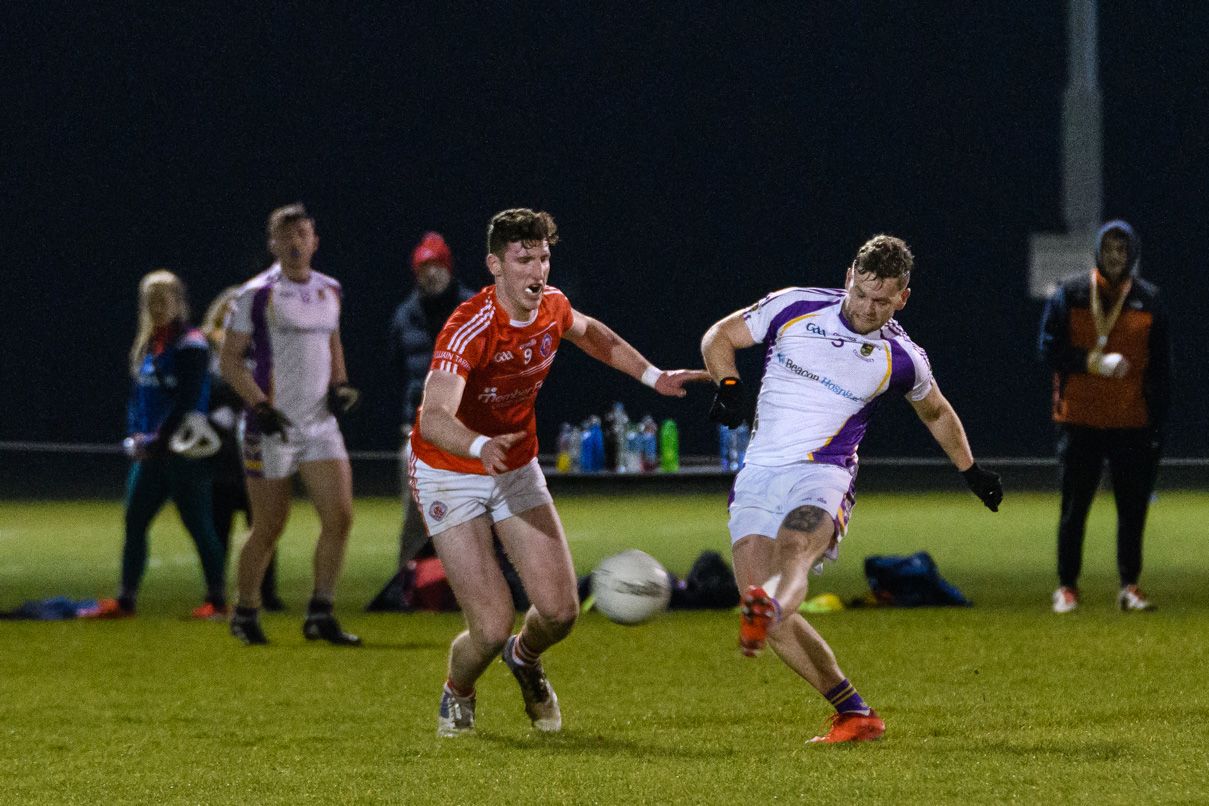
(1110,365)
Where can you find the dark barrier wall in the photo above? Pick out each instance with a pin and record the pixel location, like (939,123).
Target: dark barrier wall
(695,156)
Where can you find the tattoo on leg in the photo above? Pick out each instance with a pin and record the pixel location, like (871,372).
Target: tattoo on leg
(805,519)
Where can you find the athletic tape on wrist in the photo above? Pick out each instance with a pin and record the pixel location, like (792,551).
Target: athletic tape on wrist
(476,447)
(651,375)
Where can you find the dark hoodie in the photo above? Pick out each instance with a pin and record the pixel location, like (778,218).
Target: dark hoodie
(1141,399)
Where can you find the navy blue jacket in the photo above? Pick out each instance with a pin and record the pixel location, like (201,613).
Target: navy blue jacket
(413,334)
(170,383)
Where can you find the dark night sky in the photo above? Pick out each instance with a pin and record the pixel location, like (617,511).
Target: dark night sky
(695,160)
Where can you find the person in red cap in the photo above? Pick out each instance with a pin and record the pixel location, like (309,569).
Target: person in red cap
(413,332)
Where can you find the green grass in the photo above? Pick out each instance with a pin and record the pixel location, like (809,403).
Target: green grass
(1000,703)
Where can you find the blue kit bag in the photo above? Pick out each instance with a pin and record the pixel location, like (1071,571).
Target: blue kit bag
(911,581)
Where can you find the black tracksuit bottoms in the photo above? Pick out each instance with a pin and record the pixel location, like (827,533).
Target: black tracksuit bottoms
(1133,460)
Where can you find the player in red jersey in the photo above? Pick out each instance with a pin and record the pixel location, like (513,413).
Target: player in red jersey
(474,463)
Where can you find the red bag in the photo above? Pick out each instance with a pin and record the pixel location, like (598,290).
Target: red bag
(432,591)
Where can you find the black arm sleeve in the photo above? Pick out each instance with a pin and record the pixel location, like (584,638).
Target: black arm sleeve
(192,364)
(1053,346)
(1158,380)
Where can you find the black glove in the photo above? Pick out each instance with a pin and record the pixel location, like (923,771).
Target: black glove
(270,420)
(342,398)
(985,485)
(728,403)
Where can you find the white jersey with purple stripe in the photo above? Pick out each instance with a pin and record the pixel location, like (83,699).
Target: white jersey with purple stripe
(822,379)
(291,325)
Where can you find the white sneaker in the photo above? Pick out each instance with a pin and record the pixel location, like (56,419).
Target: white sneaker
(1130,598)
(1066,599)
(456,715)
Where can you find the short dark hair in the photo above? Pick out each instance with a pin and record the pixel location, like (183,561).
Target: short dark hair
(885,257)
(520,224)
(284,216)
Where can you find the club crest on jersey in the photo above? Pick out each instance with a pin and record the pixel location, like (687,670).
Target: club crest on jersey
(437,510)
(866,350)
(547,343)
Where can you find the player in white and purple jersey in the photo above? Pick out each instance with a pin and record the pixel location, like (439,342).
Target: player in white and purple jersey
(832,354)
(283,354)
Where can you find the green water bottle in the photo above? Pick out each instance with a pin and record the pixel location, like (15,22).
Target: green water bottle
(669,447)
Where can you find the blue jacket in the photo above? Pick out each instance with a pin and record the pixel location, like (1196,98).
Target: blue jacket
(173,380)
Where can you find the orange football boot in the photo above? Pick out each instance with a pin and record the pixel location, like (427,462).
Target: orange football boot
(853,727)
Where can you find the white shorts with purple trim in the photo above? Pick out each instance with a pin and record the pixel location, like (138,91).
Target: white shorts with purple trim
(448,498)
(272,458)
(763,496)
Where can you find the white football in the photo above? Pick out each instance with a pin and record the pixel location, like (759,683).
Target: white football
(631,587)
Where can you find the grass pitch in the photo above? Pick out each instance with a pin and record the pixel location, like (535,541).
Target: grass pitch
(1003,702)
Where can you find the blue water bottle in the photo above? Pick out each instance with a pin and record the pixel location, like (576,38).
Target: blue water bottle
(743,434)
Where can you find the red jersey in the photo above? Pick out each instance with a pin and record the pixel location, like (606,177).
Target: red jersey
(504,365)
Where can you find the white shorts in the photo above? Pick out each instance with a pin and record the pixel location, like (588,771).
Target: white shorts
(762,496)
(447,498)
(271,458)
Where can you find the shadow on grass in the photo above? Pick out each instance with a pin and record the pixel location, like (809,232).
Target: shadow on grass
(570,742)
(403,646)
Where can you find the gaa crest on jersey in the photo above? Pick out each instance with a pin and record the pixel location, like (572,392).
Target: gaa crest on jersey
(866,350)
(437,511)
(547,343)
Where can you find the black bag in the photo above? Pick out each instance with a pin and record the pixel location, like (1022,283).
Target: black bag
(710,585)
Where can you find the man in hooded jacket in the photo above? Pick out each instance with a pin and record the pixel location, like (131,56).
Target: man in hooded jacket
(1104,336)
(413,332)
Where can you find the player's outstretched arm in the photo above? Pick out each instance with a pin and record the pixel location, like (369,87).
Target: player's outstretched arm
(599,341)
(440,425)
(938,415)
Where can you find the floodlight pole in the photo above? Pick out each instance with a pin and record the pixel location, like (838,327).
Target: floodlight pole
(1056,255)
(1082,186)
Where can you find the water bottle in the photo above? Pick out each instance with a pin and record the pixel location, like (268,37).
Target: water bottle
(614,447)
(576,445)
(728,447)
(633,449)
(587,445)
(650,444)
(563,462)
(744,434)
(593,446)
(669,439)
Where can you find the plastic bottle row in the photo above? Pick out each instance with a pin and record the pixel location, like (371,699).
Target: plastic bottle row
(618,445)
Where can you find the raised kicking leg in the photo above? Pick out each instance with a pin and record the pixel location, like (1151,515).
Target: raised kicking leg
(771,612)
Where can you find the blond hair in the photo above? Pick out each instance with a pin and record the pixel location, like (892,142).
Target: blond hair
(214,323)
(156,279)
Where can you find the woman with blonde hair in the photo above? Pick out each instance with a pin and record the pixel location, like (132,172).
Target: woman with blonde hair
(169,364)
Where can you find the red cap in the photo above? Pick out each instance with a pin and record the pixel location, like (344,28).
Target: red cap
(432,249)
